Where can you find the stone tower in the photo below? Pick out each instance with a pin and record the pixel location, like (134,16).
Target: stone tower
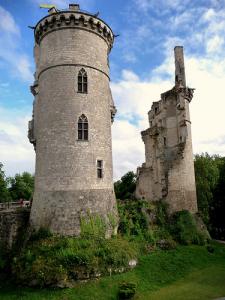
(168,171)
(71,125)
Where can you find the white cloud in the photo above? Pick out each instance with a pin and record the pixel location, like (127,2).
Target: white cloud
(134,97)
(11,54)
(16,154)
(7,23)
(128,151)
(215,44)
(24,68)
(161,5)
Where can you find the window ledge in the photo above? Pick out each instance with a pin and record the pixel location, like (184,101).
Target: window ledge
(82,92)
(82,140)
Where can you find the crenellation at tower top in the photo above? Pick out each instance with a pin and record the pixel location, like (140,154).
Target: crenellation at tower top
(73,18)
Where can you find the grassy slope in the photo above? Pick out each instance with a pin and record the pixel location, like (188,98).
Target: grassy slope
(189,272)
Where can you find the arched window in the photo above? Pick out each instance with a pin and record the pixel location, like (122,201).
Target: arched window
(82,81)
(83,128)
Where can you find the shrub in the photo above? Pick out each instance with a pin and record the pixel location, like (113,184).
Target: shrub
(93,226)
(184,229)
(127,290)
(161,213)
(132,216)
(210,248)
(41,233)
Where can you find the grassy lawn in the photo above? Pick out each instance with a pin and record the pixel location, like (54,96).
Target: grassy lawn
(189,272)
(207,283)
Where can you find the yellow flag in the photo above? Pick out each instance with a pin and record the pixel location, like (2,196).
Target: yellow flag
(47,6)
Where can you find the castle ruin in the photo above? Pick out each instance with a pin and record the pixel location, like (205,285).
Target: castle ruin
(71,125)
(168,171)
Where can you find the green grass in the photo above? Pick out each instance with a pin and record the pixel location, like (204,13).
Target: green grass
(189,272)
(207,283)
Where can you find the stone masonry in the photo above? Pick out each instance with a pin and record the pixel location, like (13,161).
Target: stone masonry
(13,225)
(168,171)
(67,182)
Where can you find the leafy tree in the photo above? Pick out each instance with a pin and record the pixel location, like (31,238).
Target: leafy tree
(125,187)
(207,176)
(4,193)
(217,211)
(22,186)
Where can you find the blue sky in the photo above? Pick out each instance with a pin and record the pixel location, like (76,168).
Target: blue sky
(142,67)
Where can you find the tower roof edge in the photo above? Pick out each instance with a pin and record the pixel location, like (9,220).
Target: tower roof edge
(73,18)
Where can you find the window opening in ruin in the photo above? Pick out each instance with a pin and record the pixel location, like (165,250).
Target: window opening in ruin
(164,140)
(156,110)
(82,81)
(99,168)
(83,128)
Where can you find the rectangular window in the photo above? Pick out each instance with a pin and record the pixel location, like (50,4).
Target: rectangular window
(99,168)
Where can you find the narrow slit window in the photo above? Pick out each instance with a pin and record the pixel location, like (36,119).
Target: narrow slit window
(83,128)
(82,81)
(99,168)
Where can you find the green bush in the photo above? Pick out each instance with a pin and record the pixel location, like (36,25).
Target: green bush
(127,290)
(132,217)
(146,222)
(184,229)
(41,233)
(210,248)
(161,210)
(93,226)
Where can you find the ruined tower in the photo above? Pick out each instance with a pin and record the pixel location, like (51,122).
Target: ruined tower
(72,115)
(168,171)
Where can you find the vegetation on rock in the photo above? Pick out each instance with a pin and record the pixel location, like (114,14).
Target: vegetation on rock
(50,260)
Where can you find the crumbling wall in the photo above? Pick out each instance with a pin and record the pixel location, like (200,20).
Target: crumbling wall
(168,171)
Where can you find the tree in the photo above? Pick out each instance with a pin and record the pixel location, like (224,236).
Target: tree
(206,176)
(217,211)
(22,186)
(4,193)
(125,187)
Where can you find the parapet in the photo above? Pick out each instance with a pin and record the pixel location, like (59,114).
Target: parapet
(73,18)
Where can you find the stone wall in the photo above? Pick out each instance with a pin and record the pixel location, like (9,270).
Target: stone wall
(13,224)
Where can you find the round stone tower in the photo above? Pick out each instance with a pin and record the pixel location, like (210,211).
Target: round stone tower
(71,125)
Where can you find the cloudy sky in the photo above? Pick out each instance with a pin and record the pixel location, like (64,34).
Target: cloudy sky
(142,67)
